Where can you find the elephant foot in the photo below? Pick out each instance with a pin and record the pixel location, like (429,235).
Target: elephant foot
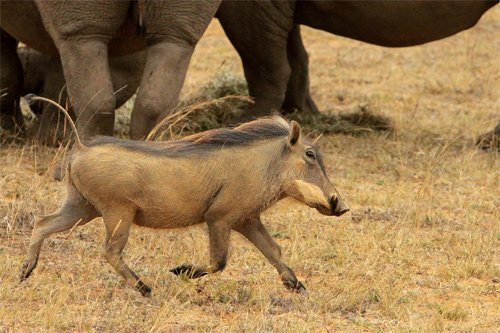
(253,113)
(304,107)
(13,124)
(143,288)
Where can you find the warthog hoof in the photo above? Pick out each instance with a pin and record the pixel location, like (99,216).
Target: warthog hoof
(58,173)
(487,141)
(295,286)
(144,289)
(26,269)
(189,271)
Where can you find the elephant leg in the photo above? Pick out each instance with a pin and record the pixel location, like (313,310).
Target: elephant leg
(81,31)
(34,68)
(261,41)
(163,77)
(172,29)
(89,87)
(52,127)
(126,74)
(298,97)
(267,79)
(11,82)
(43,75)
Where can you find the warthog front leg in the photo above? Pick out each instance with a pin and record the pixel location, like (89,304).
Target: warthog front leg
(218,233)
(118,225)
(256,233)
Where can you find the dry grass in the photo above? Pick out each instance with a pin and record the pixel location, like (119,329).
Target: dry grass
(419,253)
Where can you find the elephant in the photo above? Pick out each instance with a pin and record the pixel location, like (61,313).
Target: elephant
(11,76)
(266,35)
(85,34)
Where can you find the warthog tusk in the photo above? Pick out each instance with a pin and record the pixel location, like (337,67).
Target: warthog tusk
(310,194)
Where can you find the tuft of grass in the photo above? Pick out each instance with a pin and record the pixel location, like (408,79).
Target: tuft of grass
(453,312)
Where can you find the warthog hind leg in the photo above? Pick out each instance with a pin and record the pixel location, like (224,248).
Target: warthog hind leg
(189,271)
(76,211)
(118,223)
(257,234)
(218,232)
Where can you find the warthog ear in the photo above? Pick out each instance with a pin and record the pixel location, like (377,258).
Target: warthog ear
(294,133)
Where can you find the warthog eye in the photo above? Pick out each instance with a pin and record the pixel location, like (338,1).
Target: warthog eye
(311,154)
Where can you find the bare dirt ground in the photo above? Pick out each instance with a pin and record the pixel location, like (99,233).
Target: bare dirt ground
(418,253)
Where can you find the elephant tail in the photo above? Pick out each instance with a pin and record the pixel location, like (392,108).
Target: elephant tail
(141,27)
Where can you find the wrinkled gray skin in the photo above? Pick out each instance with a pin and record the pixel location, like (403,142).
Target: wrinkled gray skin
(43,75)
(86,33)
(266,34)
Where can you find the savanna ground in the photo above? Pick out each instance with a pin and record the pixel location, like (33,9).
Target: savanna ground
(418,253)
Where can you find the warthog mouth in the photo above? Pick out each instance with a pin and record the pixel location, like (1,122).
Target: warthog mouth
(339,208)
(335,207)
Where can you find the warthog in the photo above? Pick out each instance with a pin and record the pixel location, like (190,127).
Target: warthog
(224,177)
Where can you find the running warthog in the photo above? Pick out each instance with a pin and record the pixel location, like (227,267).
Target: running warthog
(224,177)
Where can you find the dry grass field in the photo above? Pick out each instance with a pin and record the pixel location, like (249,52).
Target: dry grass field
(419,252)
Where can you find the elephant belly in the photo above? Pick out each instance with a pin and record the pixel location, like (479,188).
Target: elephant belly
(21,20)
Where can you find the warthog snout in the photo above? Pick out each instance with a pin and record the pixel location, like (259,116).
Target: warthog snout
(338,206)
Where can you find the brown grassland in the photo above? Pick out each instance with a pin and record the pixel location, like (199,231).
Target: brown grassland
(419,252)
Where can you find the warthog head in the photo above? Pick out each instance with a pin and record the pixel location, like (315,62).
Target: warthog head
(306,176)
